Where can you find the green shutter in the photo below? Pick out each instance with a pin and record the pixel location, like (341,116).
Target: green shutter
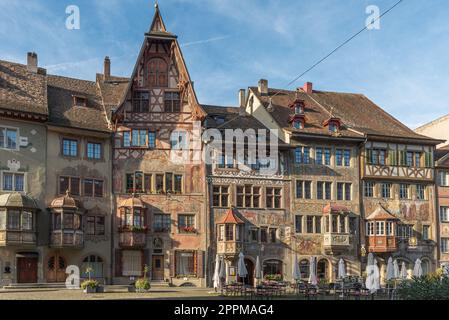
(392,158)
(369,156)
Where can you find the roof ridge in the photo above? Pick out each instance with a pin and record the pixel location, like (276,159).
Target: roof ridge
(70,78)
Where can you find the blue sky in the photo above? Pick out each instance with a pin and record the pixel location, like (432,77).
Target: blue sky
(231,44)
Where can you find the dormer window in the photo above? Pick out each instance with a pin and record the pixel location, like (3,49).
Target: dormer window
(298,124)
(79,101)
(333,125)
(298,106)
(299,109)
(298,121)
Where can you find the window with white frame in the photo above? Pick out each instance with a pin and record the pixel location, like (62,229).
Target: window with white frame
(13,181)
(302,155)
(404,191)
(420,192)
(426,232)
(444,214)
(444,245)
(389,228)
(369,189)
(370,228)
(380,228)
(132,263)
(444,178)
(9,138)
(385,189)
(404,231)
(178,140)
(344,191)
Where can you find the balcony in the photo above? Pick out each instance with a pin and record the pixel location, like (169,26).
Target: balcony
(17,238)
(132,239)
(382,244)
(336,242)
(67,239)
(229,248)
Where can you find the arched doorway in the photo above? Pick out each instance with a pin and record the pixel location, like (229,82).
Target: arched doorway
(323,270)
(56,266)
(304,267)
(249,279)
(95,265)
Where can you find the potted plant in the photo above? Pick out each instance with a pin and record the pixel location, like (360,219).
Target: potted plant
(143,284)
(91,286)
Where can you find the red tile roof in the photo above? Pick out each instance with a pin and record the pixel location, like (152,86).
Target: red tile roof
(230,218)
(381,214)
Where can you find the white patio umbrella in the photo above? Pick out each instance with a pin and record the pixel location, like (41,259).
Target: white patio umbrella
(223,273)
(216,277)
(396,269)
(313,278)
(341,269)
(296,272)
(417,270)
(372,282)
(390,269)
(242,272)
(258,274)
(403,274)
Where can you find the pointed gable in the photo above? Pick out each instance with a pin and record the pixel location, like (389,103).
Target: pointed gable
(160,67)
(230,218)
(381,214)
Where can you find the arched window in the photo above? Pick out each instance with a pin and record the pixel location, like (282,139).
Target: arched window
(304,267)
(157,73)
(94,264)
(323,270)
(425,265)
(272,268)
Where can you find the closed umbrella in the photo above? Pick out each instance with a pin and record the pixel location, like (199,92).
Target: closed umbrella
(216,277)
(390,269)
(312,278)
(296,273)
(403,274)
(242,272)
(372,282)
(396,269)
(341,269)
(223,274)
(417,270)
(258,274)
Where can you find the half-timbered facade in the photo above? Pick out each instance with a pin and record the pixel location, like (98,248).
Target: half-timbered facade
(159,202)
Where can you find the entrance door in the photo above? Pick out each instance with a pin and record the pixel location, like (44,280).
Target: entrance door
(27,270)
(157,271)
(249,279)
(56,266)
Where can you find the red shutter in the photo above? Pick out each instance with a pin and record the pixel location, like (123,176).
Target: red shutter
(118,263)
(200,264)
(172,263)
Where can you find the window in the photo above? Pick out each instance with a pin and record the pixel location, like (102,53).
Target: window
(353,225)
(172,102)
(220,196)
(404,231)
(298,124)
(370,228)
(318,224)
(178,140)
(303,189)
(8,138)
(13,181)
(95,263)
(444,178)
(306,155)
(376,156)
(413,159)
(127,139)
(420,192)
(347,158)
(186,223)
(135,183)
(131,263)
(319,156)
(162,223)
(151,139)
(229,232)
(425,232)
(94,150)
(302,155)
(133,217)
(264,234)
(369,189)
(327,156)
(333,126)
(141,101)
(225,161)
(185,263)
(70,184)
(79,101)
(344,191)
(27,221)
(380,228)
(309,224)
(95,225)
(445,245)
(273,198)
(404,191)
(93,188)
(248,196)
(324,190)
(339,157)
(444,214)
(298,224)
(385,189)
(69,148)
(389,228)
(139,138)
(272,267)
(177,183)
(298,155)
(158,72)
(304,267)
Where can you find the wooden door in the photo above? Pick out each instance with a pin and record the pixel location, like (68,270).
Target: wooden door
(27,270)
(56,266)
(157,270)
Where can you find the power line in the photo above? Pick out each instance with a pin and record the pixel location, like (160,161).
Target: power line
(339,47)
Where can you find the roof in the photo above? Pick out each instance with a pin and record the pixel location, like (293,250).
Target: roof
(381,214)
(65,202)
(22,90)
(112,91)
(335,208)
(359,115)
(61,91)
(230,218)
(17,200)
(442,157)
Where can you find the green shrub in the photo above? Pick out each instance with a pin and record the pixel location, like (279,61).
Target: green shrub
(273,277)
(143,284)
(430,287)
(90,283)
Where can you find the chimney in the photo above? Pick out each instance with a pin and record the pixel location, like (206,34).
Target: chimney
(107,67)
(308,87)
(263,87)
(32,62)
(242,101)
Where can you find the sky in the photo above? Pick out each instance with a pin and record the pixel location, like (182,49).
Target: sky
(231,44)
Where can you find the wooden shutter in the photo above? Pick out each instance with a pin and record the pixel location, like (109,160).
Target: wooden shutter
(173,263)
(118,262)
(200,264)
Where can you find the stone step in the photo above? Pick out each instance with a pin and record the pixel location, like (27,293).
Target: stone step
(16,286)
